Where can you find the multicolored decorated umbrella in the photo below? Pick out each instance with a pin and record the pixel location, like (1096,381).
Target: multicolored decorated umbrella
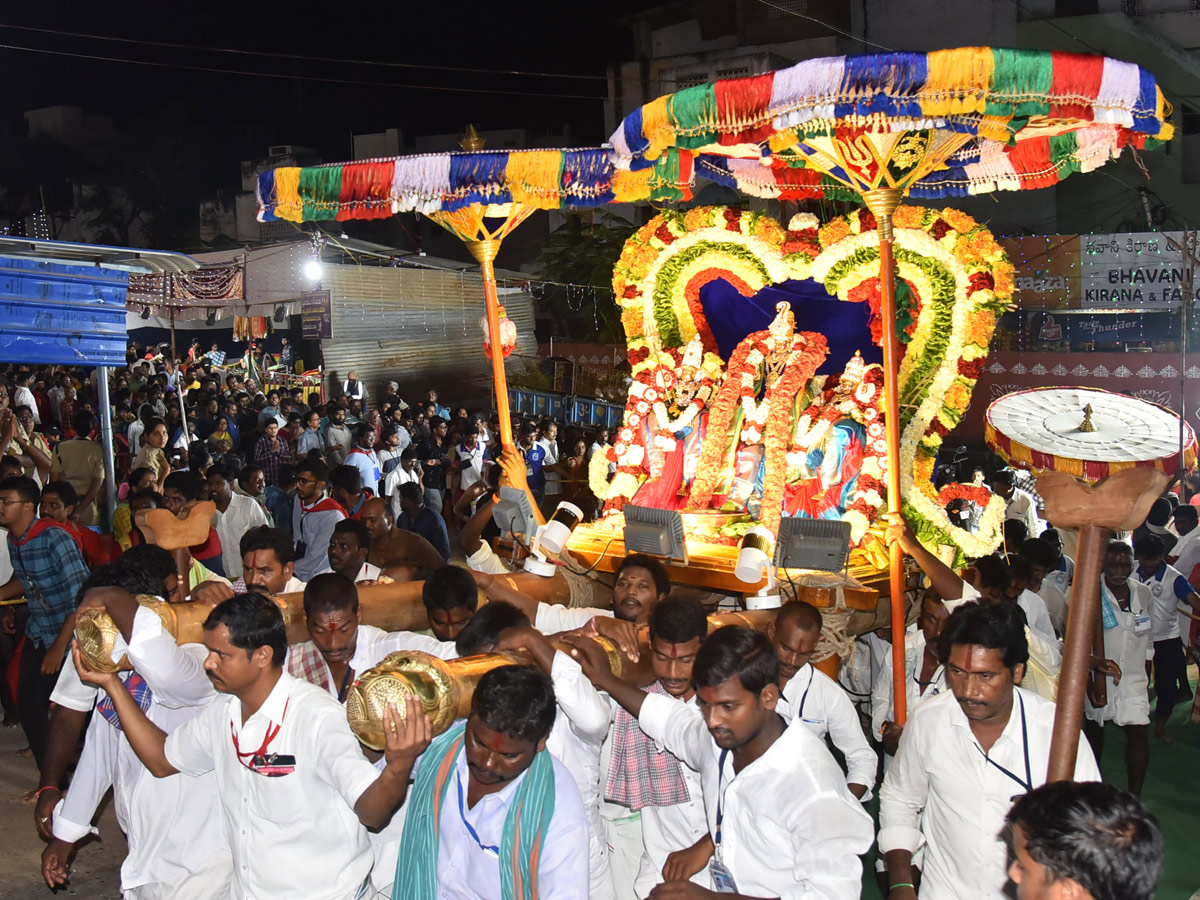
(480,196)
(943,124)
(1086,432)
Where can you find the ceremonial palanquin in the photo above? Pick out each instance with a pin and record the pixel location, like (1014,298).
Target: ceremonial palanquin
(757,390)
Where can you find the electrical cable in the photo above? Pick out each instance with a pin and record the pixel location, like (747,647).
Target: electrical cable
(299,56)
(282,77)
(853,37)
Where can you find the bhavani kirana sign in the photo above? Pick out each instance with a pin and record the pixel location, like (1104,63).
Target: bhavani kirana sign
(1134,271)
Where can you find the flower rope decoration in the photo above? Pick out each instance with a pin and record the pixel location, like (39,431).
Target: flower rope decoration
(974,493)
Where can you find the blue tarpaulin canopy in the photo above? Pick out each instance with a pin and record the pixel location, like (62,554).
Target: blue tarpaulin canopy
(64,303)
(65,314)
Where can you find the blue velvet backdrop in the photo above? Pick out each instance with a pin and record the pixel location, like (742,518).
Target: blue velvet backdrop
(845,325)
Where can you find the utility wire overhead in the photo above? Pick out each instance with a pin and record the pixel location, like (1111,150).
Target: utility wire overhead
(290,77)
(299,56)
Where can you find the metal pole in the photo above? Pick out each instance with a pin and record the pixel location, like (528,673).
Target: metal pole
(1189,282)
(1189,290)
(106,438)
(883,203)
(174,352)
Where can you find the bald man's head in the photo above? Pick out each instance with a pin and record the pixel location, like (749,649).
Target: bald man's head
(794,634)
(377,518)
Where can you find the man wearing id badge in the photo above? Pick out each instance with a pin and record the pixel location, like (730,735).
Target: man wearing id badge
(810,696)
(767,842)
(1170,593)
(493,815)
(535,456)
(296,793)
(1125,615)
(963,758)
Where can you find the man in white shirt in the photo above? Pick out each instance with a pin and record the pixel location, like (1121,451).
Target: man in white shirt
(236,514)
(490,804)
(408,472)
(1171,593)
(580,724)
(1020,504)
(295,791)
(1023,587)
(1185,555)
(1186,522)
(1062,573)
(349,545)
(645,777)
(549,442)
(1126,619)
(769,841)
(340,647)
(472,460)
(1047,581)
(24,396)
(363,457)
(962,759)
(924,673)
(72,700)
(813,698)
(177,848)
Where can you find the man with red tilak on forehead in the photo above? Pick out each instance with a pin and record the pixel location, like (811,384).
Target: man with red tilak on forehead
(341,648)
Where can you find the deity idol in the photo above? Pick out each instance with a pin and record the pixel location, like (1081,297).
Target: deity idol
(743,462)
(680,388)
(833,438)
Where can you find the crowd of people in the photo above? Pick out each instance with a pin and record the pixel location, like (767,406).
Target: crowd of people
(735,766)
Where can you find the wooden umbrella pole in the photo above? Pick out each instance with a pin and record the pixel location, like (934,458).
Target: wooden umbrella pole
(485,252)
(1082,619)
(883,203)
(1118,503)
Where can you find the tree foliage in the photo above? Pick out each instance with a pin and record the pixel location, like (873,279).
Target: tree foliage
(582,253)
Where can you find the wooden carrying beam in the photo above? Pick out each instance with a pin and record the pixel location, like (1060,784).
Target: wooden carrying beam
(445,687)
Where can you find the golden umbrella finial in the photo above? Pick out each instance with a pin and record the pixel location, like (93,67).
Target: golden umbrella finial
(472,141)
(1086,425)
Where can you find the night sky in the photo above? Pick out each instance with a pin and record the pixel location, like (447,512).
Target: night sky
(237,116)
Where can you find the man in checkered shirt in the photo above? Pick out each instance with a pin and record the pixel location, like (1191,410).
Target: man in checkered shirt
(48,569)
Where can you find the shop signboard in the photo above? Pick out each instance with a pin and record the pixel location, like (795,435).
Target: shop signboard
(316,316)
(1045,270)
(1142,270)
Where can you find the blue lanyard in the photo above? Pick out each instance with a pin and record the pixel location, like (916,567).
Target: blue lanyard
(462,812)
(720,796)
(922,685)
(1027,784)
(804,698)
